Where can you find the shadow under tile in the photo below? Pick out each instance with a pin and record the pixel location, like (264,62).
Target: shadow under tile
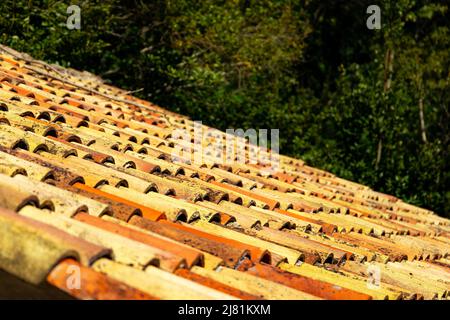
(13,288)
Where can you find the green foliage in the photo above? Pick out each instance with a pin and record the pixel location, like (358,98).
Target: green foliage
(369,130)
(310,68)
(236,61)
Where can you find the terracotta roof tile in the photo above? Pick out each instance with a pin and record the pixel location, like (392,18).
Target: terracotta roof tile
(159,283)
(261,287)
(93,285)
(88,181)
(21,236)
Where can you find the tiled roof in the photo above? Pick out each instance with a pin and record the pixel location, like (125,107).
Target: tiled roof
(93,206)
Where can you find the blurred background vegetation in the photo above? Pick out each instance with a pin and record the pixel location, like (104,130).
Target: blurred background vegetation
(371,106)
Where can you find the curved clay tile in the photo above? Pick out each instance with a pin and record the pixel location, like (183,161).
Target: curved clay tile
(292,255)
(19,238)
(230,251)
(208,282)
(322,289)
(124,250)
(159,283)
(190,256)
(92,285)
(122,208)
(152,200)
(260,287)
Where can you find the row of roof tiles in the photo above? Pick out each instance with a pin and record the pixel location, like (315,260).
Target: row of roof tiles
(87,181)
